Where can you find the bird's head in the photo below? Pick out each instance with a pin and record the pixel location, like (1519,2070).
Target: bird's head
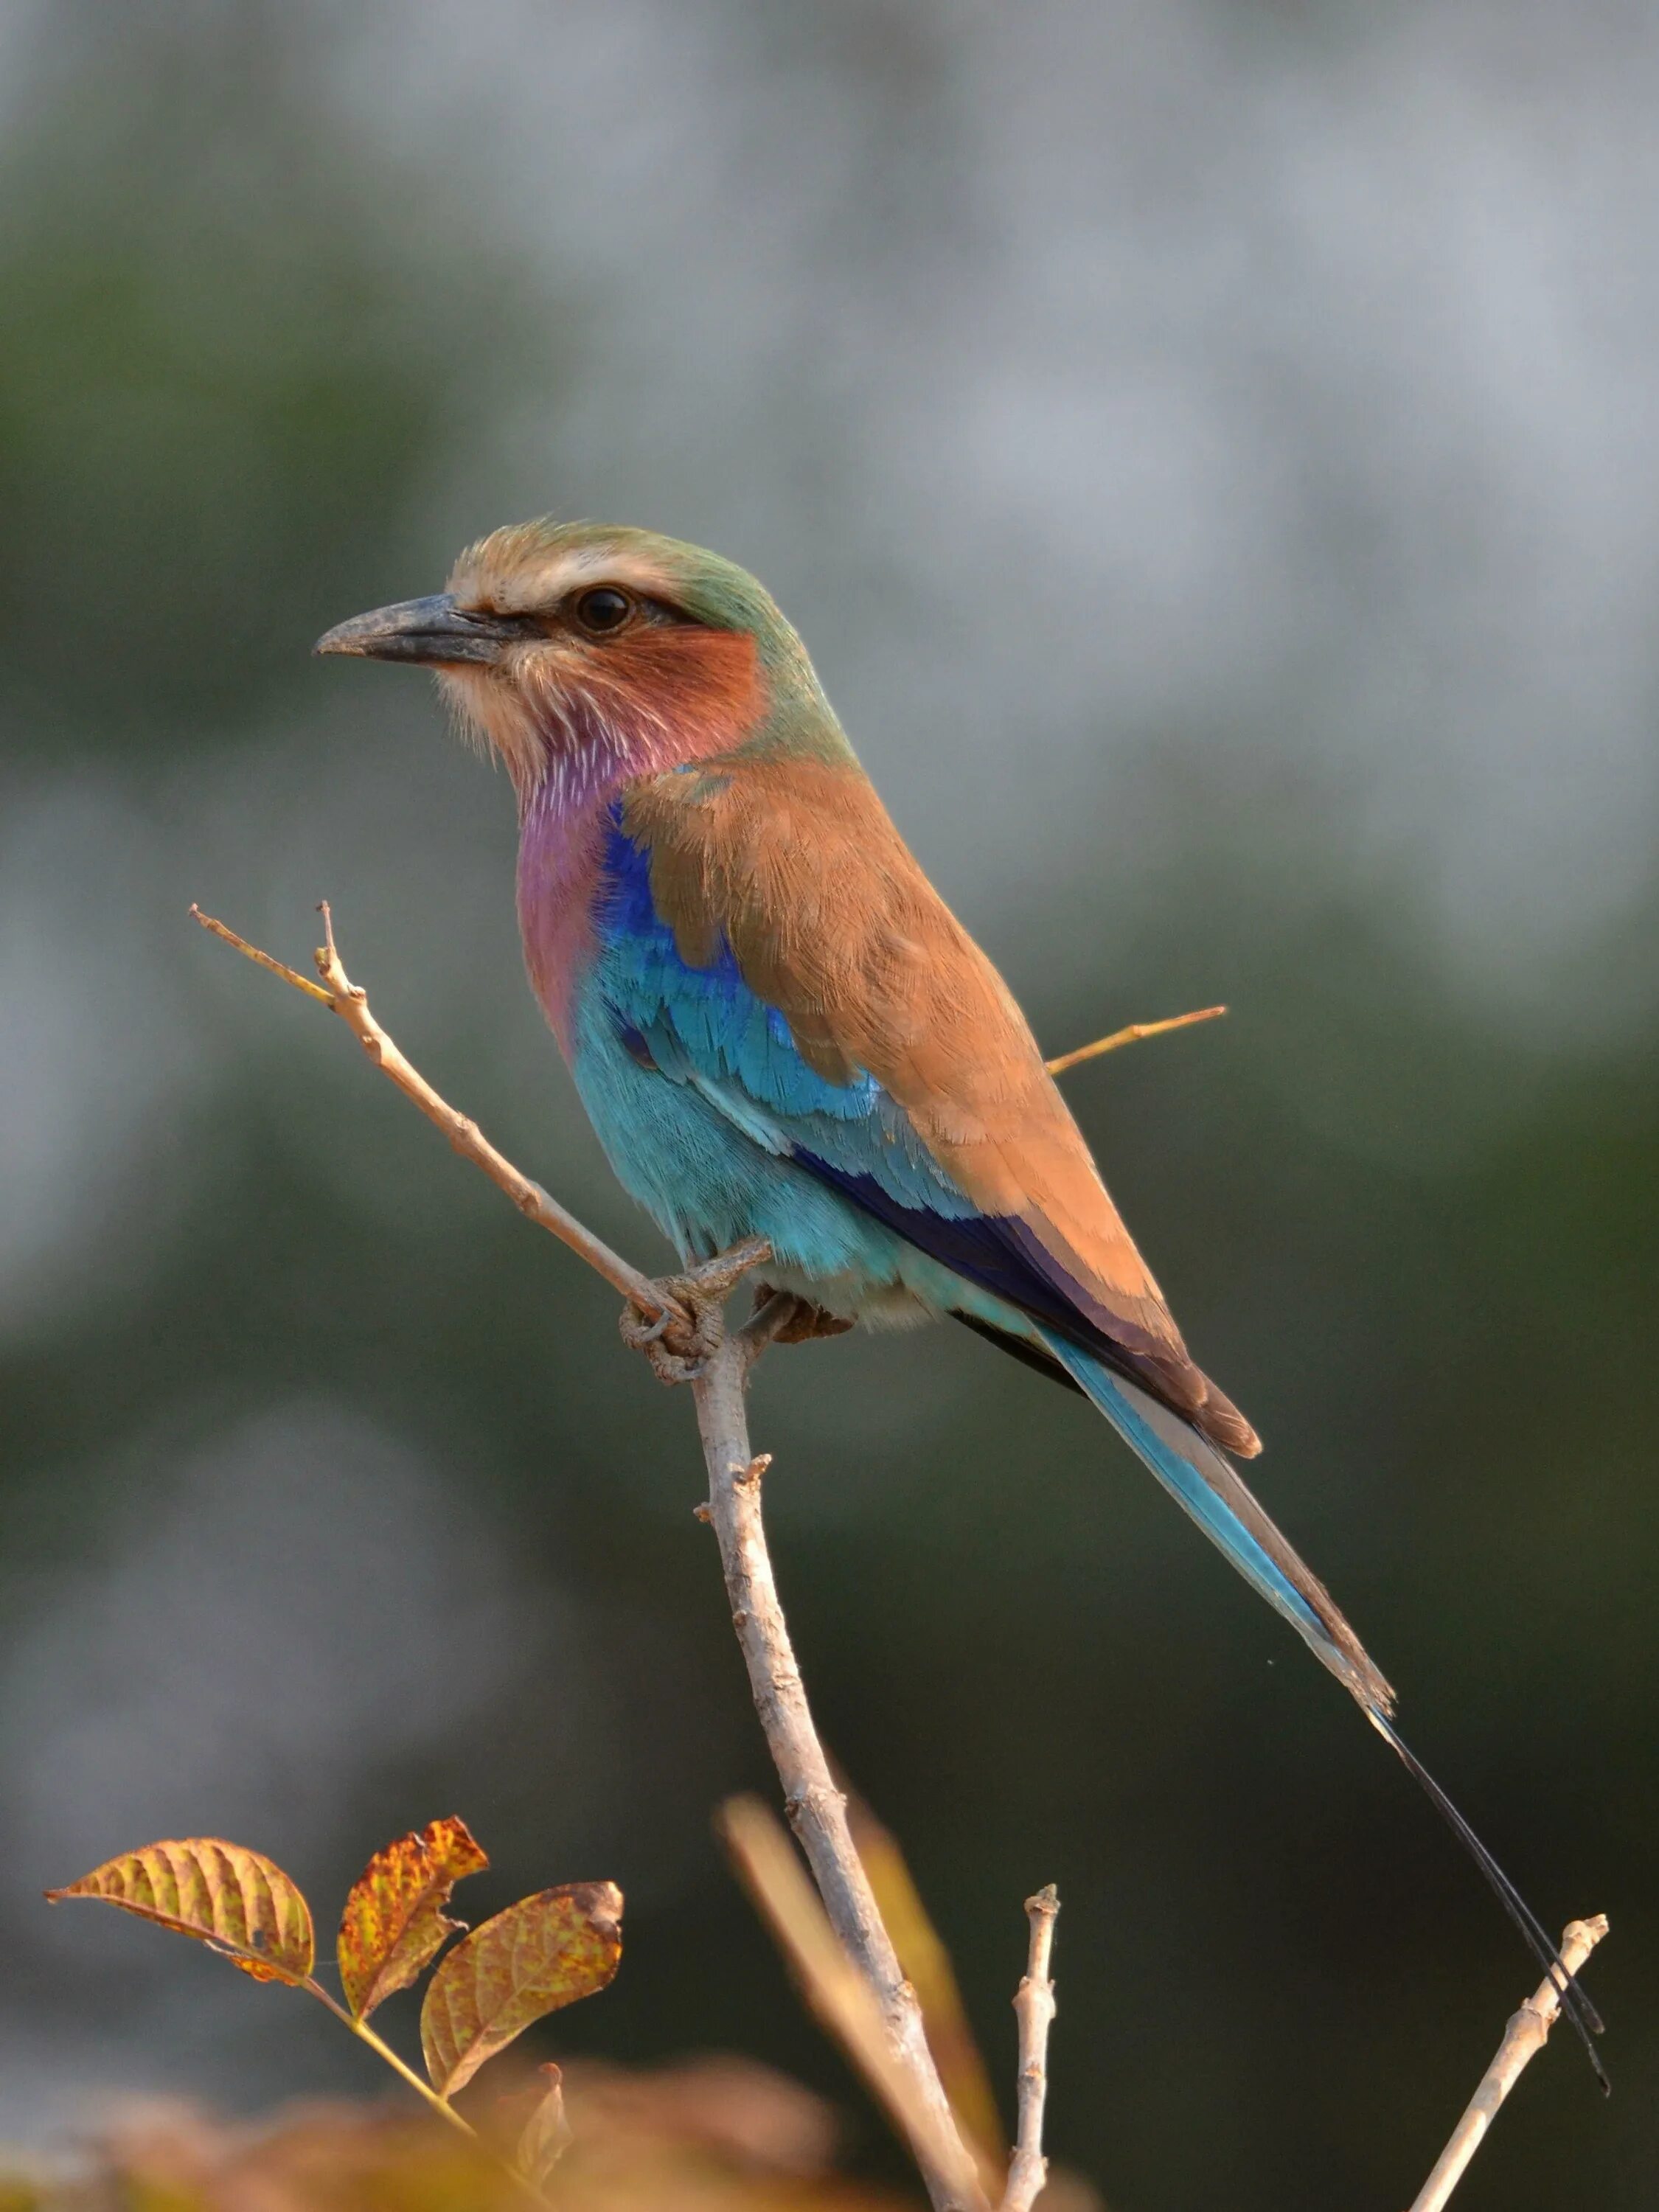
(582,654)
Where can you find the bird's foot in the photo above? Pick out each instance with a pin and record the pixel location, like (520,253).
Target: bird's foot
(679,1350)
(800,1321)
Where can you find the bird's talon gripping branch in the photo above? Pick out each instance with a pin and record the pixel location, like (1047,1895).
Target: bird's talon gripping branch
(679,1350)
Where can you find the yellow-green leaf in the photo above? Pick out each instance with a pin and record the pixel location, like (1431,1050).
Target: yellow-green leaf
(394,1923)
(542,1953)
(237,1901)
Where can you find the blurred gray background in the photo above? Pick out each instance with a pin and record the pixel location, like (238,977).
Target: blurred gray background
(1211,450)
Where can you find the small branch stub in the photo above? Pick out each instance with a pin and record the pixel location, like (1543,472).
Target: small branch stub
(1133,1034)
(1033,2010)
(1524,2038)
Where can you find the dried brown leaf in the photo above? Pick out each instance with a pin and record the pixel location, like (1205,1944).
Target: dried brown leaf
(546,2135)
(544,1952)
(394,1923)
(233,1900)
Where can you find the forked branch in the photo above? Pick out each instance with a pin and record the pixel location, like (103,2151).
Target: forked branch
(344,997)
(842,2001)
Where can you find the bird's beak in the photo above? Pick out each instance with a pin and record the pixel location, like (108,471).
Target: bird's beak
(435,630)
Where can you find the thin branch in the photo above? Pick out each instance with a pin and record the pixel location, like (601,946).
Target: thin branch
(266,960)
(365,2034)
(1524,2038)
(344,997)
(817,1808)
(927,1965)
(838,1993)
(1133,1034)
(1034,2009)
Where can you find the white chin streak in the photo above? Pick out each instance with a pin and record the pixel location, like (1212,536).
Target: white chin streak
(490,717)
(559,746)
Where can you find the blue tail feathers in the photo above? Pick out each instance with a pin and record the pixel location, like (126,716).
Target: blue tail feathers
(1207,1486)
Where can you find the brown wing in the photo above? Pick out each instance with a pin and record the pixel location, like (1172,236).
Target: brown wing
(797,865)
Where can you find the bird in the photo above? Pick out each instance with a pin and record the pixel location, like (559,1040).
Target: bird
(779,1029)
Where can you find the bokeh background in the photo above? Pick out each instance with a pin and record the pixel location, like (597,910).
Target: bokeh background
(1211,447)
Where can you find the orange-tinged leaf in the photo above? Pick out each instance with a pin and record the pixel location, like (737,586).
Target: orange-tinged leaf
(542,1953)
(239,1902)
(394,1923)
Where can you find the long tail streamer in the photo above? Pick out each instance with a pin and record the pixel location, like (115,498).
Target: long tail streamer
(1209,1488)
(1575,2002)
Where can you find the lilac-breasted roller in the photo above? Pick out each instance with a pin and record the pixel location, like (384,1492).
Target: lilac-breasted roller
(779,1027)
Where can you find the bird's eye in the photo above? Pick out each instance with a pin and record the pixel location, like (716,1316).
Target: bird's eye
(603,609)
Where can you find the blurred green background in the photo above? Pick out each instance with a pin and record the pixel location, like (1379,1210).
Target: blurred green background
(1210,450)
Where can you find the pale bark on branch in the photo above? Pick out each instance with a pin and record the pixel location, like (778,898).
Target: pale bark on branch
(843,1999)
(1034,2009)
(1524,2038)
(817,1808)
(844,2002)
(343,996)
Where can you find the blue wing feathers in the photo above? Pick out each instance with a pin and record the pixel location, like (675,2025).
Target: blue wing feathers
(704,1028)
(707,1019)
(863,1163)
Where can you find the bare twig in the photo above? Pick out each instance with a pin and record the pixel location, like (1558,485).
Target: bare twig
(1034,2009)
(1132,1035)
(1524,2038)
(838,1994)
(817,1808)
(344,997)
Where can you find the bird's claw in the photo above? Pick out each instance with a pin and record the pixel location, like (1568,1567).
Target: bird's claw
(679,1350)
(802,1322)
